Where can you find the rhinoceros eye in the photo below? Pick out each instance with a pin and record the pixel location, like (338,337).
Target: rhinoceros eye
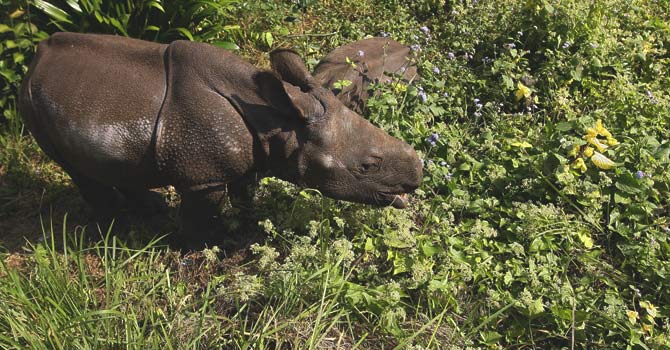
(370,165)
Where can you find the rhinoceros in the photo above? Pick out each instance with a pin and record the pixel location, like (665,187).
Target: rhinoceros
(122,116)
(375,60)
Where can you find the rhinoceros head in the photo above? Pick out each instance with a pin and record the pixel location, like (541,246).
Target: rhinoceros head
(336,150)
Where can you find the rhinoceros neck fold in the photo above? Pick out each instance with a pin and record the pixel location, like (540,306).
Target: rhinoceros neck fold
(277,138)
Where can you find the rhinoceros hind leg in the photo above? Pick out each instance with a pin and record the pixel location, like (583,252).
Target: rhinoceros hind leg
(143,202)
(199,212)
(104,200)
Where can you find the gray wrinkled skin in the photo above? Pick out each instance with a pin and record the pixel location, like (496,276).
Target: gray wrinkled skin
(382,58)
(122,116)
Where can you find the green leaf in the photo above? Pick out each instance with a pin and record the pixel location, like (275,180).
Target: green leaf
(369,245)
(9,75)
(508,278)
(508,82)
(52,11)
(115,22)
(585,238)
(74,5)
(268,39)
(226,45)
(156,5)
(4,28)
(430,250)
(536,307)
(18,57)
(629,184)
(564,126)
(490,337)
(577,72)
(184,32)
(662,155)
(621,198)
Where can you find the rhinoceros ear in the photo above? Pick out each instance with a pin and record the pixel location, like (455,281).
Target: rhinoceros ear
(291,68)
(287,98)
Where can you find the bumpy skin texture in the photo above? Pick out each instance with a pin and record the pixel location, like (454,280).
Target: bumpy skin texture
(122,116)
(382,57)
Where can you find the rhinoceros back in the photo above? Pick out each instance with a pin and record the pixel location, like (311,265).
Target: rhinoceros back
(92,101)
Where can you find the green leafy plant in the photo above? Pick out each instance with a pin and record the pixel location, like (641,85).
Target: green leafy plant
(18,35)
(156,20)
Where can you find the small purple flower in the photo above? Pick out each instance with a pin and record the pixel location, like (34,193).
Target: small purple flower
(402,69)
(432,139)
(422,95)
(520,33)
(443,163)
(385,34)
(467,56)
(447,177)
(415,47)
(425,30)
(445,94)
(640,174)
(478,114)
(414,37)
(475,100)
(566,44)
(451,55)
(479,105)
(436,70)
(361,53)
(510,45)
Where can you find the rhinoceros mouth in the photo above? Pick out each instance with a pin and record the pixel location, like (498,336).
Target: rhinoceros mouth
(397,200)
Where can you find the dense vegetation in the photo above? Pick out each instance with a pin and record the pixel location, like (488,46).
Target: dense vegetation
(543,220)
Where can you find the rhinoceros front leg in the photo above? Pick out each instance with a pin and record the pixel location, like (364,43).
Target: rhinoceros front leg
(241,191)
(199,211)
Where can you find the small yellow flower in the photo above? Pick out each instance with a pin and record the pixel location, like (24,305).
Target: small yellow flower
(579,164)
(595,142)
(591,132)
(588,151)
(632,316)
(522,91)
(601,161)
(647,327)
(573,152)
(602,130)
(399,87)
(612,141)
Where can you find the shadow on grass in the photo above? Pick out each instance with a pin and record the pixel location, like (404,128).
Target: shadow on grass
(37,197)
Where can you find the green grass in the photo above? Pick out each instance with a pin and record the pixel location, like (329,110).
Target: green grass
(508,244)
